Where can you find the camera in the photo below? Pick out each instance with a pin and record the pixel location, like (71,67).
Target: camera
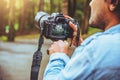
(54,26)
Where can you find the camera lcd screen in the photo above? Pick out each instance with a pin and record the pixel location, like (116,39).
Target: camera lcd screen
(58,30)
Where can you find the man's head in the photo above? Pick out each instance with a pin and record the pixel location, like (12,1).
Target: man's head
(104,13)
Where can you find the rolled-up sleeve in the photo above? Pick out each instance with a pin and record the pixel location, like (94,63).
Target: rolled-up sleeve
(61,67)
(56,63)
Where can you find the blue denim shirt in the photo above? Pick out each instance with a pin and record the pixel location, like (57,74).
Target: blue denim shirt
(97,58)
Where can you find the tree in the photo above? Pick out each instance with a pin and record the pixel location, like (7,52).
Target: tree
(71,7)
(22,17)
(11,34)
(3,20)
(31,15)
(51,6)
(65,7)
(85,23)
(24,11)
(41,5)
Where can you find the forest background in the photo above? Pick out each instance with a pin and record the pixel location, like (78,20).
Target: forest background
(17,16)
(19,34)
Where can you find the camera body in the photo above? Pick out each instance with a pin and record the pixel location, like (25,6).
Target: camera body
(54,26)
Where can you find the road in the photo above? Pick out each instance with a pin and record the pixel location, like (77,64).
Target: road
(16,58)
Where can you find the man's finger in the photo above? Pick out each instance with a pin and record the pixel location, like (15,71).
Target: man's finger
(73,26)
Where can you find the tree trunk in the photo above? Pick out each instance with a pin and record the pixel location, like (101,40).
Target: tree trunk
(31,16)
(41,5)
(2,17)
(11,34)
(71,7)
(59,6)
(22,16)
(51,6)
(65,7)
(85,22)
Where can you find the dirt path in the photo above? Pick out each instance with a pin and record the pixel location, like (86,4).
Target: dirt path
(16,58)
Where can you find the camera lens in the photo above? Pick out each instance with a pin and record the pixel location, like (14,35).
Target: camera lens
(41,17)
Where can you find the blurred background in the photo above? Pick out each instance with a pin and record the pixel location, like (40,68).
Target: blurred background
(19,35)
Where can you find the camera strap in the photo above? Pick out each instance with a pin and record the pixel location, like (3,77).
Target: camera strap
(78,34)
(37,57)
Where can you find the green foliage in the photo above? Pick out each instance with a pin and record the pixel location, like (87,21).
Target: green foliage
(24,12)
(79,10)
(16,26)
(7,28)
(79,15)
(91,31)
(3,38)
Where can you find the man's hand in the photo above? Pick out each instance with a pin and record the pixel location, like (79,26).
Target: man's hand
(62,46)
(59,46)
(74,27)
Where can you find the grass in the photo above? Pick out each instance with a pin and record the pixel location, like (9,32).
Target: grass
(33,36)
(90,32)
(3,38)
(28,36)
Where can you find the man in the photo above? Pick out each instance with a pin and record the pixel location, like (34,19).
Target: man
(97,57)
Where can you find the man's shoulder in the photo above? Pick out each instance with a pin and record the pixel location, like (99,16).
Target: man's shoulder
(109,38)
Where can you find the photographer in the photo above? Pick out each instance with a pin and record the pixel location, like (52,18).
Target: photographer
(97,57)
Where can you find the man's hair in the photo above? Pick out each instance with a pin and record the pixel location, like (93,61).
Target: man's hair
(117,9)
(118,6)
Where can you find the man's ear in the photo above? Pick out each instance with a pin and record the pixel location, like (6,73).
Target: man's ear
(113,4)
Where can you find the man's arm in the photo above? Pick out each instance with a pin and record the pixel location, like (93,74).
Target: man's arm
(60,67)
(56,63)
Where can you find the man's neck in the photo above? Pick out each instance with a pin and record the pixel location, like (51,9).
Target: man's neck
(112,22)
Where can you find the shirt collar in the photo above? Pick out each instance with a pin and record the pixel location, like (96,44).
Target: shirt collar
(114,29)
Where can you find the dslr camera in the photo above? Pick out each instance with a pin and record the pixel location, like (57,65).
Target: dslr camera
(54,26)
